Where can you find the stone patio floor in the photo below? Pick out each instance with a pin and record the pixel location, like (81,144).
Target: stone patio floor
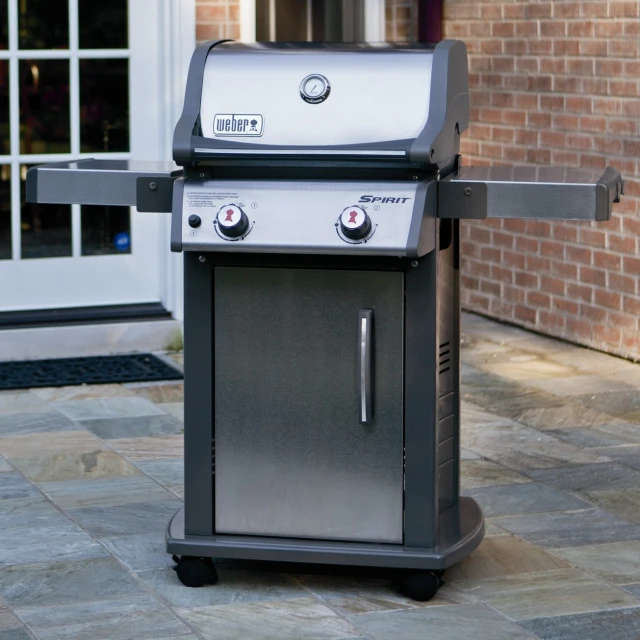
(90,475)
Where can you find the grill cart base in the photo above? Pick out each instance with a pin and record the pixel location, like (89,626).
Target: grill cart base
(461,530)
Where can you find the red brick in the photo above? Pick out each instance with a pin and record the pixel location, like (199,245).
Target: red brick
(526,245)
(623,321)
(593,237)
(537,264)
(490,288)
(525,279)
(609,299)
(563,305)
(539,10)
(607,260)
(622,244)
(579,292)
(604,333)
(556,286)
(621,282)
(589,275)
(538,299)
(524,314)
(595,314)
(565,232)
(631,304)
(577,328)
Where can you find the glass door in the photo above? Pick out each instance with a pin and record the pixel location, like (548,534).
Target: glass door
(310,20)
(73,84)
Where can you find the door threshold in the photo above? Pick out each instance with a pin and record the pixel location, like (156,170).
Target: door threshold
(83,315)
(91,339)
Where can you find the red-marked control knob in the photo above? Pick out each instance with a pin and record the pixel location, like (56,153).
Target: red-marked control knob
(232,221)
(355,223)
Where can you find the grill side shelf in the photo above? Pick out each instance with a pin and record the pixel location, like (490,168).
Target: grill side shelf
(146,185)
(553,193)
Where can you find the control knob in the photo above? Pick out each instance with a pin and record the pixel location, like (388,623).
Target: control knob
(355,223)
(232,221)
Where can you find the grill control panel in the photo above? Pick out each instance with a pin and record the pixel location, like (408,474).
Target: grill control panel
(300,217)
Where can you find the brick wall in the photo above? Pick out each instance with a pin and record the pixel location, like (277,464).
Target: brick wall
(555,83)
(217,19)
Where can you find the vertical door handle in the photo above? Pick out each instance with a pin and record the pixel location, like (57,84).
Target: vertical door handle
(365,361)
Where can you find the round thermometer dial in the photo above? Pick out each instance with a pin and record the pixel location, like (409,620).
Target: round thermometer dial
(314,88)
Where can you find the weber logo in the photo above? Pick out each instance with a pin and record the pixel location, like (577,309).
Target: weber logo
(238,124)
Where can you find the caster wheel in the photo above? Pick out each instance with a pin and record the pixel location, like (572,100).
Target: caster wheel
(421,586)
(196,572)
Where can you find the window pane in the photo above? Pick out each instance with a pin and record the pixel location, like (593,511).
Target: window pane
(45,228)
(44,106)
(43,24)
(4,24)
(104,105)
(103,25)
(5,146)
(5,212)
(105,230)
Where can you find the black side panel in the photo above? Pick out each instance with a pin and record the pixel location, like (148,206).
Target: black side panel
(421,396)
(448,436)
(198,400)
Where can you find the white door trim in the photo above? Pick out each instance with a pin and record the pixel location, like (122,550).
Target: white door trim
(248,20)
(374,21)
(180,33)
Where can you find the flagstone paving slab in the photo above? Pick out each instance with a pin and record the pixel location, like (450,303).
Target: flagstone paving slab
(484,473)
(499,556)
(117,619)
(44,536)
(83,392)
(28,423)
(133,427)
(533,497)
(568,416)
(23,401)
(153,448)
(69,466)
(571,529)
(158,393)
(453,622)
(551,593)
(589,477)
(47,584)
(234,587)
(620,624)
(629,454)
(167,471)
(299,619)
(520,447)
(104,492)
(140,517)
(117,407)
(4,465)
(618,562)
(139,551)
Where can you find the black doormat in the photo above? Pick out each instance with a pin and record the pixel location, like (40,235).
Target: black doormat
(59,372)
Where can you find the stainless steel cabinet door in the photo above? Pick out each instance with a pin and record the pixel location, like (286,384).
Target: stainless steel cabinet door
(292,457)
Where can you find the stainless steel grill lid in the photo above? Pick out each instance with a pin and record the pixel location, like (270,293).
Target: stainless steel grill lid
(406,103)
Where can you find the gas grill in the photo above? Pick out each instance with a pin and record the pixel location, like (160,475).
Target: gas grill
(318,207)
